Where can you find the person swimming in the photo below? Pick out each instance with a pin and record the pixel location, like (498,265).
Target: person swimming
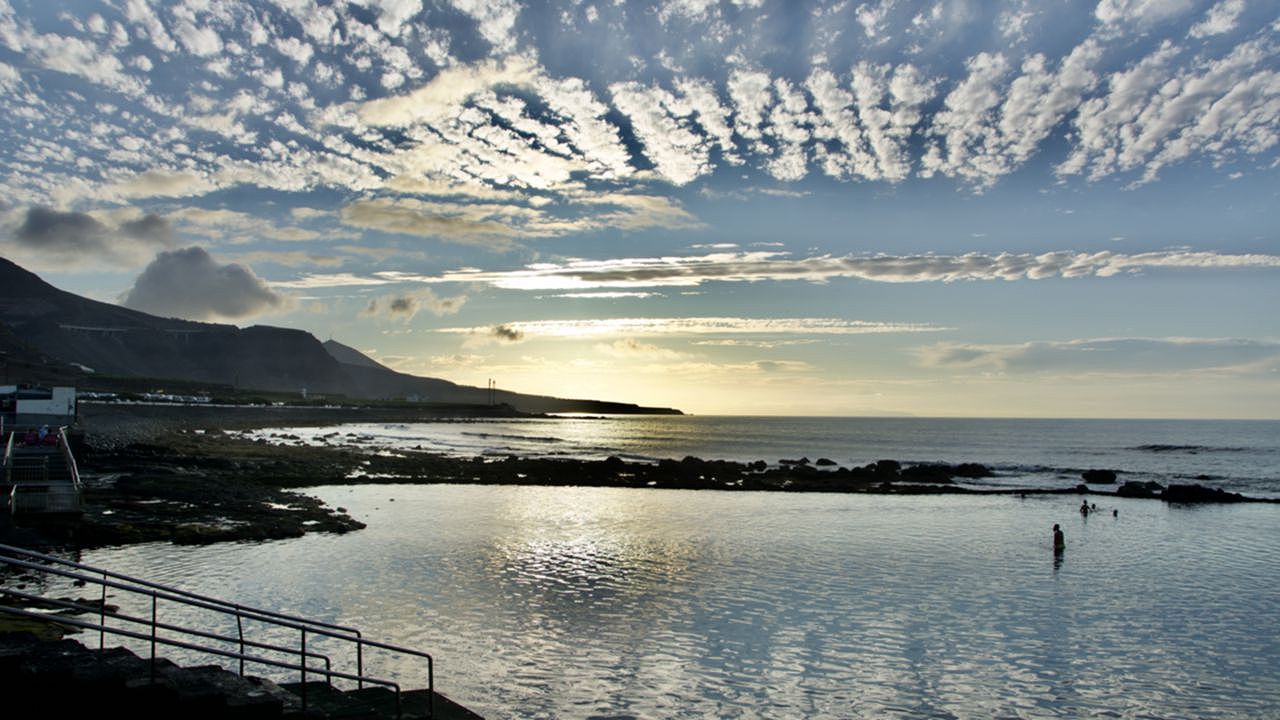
(1059,540)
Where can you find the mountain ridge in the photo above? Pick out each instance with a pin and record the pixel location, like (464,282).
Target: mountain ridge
(44,324)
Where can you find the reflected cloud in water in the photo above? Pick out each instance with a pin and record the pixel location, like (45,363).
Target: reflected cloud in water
(579,602)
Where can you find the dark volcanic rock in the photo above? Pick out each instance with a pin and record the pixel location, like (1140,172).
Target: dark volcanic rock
(886,467)
(1198,494)
(942,473)
(1099,477)
(825,462)
(971,470)
(937,474)
(1136,489)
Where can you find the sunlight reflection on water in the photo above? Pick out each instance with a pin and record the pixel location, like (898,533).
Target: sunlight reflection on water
(580,602)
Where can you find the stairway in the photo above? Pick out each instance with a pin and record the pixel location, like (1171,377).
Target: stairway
(63,678)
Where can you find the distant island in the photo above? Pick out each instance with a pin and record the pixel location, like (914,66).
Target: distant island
(52,336)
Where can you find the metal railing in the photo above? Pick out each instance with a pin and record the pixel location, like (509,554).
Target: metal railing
(64,447)
(48,564)
(33,488)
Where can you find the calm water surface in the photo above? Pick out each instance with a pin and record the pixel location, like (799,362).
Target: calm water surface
(590,602)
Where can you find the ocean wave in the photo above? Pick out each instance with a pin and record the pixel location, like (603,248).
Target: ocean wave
(1189,449)
(502,436)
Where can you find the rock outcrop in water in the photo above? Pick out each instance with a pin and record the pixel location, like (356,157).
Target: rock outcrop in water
(1139,489)
(1199,494)
(1099,477)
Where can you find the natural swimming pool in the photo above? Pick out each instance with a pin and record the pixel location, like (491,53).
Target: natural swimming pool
(591,602)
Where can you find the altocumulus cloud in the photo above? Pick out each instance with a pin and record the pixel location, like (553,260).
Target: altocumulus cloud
(691,271)
(405,306)
(190,284)
(1105,355)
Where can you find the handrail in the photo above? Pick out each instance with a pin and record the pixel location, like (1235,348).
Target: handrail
(167,626)
(64,446)
(211,650)
(8,453)
(176,591)
(157,592)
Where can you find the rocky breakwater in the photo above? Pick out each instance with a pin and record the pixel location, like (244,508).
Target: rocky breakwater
(204,485)
(200,485)
(1181,493)
(192,493)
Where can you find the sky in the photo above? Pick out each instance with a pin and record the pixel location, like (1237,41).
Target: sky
(892,207)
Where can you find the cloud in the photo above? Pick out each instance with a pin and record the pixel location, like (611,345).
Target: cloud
(190,284)
(1154,114)
(446,92)
(496,225)
(330,280)
(1220,19)
(369,101)
(468,224)
(47,229)
(778,366)
(405,306)
(150,227)
(647,327)
(691,271)
(76,240)
(606,295)
(632,348)
(290,258)
(760,344)
(1141,12)
(995,119)
(495,20)
(457,360)
(504,333)
(1136,356)
(158,183)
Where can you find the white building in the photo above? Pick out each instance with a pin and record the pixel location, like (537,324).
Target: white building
(31,405)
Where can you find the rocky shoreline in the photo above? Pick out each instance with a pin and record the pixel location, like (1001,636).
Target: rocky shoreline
(185,475)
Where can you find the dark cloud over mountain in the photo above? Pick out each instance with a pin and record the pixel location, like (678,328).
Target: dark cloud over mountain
(74,238)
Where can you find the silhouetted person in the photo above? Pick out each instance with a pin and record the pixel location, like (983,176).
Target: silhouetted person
(1084,508)
(1059,540)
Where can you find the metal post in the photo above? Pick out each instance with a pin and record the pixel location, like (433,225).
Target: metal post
(153,636)
(240,630)
(303,664)
(102,616)
(360,662)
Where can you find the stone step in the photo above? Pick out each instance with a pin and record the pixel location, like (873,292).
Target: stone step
(324,701)
(65,678)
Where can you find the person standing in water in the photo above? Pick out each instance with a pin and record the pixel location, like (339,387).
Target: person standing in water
(1059,540)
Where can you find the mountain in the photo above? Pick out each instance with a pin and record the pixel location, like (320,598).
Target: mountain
(350,356)
(42,326)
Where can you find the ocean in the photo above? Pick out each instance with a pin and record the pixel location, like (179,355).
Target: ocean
(613,603)
(1239,456)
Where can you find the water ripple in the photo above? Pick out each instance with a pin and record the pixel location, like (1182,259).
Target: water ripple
(589,602)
